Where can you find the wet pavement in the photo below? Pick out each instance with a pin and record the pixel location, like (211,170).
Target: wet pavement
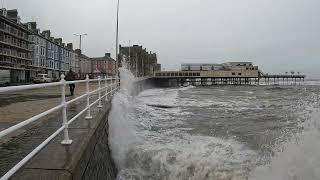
(19,106)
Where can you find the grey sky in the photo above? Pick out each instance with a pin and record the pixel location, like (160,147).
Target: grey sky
(278,35)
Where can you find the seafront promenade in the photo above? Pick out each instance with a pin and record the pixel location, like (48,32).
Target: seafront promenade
(44,118)
(18,106)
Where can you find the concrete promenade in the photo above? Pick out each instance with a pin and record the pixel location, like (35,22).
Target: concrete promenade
(18,106)
(66,162)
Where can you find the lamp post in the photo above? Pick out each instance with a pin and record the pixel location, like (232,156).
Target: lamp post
(130,55)
(79,59)
(80,36)
(117,39)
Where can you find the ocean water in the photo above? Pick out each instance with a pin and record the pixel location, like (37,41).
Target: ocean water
(216,133)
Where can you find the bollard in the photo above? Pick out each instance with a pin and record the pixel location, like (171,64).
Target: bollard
(88,98)
(106,85)
(99,82)
(66,140)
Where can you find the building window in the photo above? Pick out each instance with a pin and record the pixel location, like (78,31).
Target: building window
(239,74)
(233,73)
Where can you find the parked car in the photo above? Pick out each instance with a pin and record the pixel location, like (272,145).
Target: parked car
(42,78)
(4,77)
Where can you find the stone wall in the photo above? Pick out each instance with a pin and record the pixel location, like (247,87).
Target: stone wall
(101,165)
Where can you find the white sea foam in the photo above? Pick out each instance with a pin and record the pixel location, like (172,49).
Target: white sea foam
(298,159)
(186,88)
(122,126)
(188,157)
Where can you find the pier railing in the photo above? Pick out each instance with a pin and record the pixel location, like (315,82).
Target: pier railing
(106,87)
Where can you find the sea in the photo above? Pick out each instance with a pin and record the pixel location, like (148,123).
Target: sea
(266,132)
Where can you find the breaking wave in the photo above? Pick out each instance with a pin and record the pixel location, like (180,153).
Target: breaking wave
(148,139)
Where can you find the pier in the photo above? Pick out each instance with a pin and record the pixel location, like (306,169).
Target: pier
(229,73)
(205,78)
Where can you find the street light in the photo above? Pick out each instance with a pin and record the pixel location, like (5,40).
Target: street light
(117,39)
(80,36)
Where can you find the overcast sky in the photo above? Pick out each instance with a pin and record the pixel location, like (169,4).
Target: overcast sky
(277,35)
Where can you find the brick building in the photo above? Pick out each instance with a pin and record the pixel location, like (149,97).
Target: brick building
(103,66)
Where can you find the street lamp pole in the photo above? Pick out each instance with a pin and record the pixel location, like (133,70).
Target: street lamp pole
(130,56)
(80,36)
(117,39)
(79,59)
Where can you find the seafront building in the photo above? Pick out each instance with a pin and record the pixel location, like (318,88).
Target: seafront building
(225,73)
(15,47)
(103,66)
(139,60)
(25,51)
(228,69)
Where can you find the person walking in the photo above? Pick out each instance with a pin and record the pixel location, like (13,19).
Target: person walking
(71,76)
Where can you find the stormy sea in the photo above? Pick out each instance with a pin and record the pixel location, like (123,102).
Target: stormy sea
(216,132)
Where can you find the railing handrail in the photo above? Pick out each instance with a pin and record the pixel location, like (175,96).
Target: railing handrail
(37,86)
(108,88)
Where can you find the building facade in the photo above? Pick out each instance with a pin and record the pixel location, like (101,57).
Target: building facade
(228,66)
(73,59)
(15,47)
(84,64)
(138,59)
(103,66)
(25,51)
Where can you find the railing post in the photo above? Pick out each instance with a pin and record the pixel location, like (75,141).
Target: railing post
(66,140)
(111,90)
(106,85)
(88,98)
(99,82)
(118,83)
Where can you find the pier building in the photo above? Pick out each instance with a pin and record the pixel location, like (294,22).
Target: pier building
(233,73)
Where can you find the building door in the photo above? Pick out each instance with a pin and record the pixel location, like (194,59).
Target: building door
(27,76)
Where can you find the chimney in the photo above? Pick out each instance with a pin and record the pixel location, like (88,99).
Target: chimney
(3,12)
(107,55)
(70,46)
(78,51)
(32,26)
(46,34)
(58,41)
(13,15)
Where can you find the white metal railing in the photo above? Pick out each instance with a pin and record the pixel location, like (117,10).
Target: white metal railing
(110,86)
